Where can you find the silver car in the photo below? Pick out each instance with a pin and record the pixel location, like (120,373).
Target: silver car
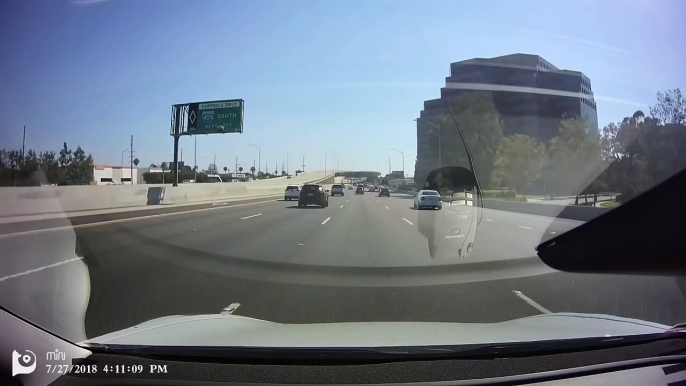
(337,189)
(428,199)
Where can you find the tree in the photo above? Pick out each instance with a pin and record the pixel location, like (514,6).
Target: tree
(518,162)
(240,169)
(481,126)
(153,165)
(670,107)
(65,158)
(623,148)
(80,170)
(136,161)
(252,170)
(164,166)
(225,169)
(574,158)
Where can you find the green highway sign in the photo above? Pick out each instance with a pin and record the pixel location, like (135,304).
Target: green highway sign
(215,117)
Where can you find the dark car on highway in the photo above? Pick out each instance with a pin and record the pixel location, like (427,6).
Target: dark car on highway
(359,190)
(313,194)
(384,192)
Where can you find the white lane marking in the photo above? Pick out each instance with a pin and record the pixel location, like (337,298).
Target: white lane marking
(525,227)
(327,220)
(301,244)
(347,200)
(489,220)
(407,221)
(79,226)
(531,302)
(376,201)
(254,215)
(219,203)
(40,268)
(386,207)
(552,232)
(342,206)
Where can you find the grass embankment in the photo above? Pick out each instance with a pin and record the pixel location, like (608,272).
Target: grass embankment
(609,204)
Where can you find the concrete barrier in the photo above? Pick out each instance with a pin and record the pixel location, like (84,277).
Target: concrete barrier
(570,212)
(21,201)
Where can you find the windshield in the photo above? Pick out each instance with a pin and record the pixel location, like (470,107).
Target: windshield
(150,151)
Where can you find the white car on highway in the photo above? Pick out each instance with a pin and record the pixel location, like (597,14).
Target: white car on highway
(428,199)
(292,192)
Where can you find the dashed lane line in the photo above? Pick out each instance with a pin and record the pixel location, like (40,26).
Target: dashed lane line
(39,269)
(531,302)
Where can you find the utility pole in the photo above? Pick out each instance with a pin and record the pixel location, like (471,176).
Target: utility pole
(303,169)
(389,165)
(287,168)
(235,171)
(214,165)
(23,145)
(131,161)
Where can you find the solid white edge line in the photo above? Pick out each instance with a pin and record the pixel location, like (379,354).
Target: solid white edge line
(525,227)
(72,227)
(254,215)
(325,221)
(39,269)
(531,302)
(408,221)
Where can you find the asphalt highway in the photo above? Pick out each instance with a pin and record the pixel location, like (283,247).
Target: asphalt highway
(363,258)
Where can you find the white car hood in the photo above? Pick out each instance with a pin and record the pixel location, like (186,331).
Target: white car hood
(233,330)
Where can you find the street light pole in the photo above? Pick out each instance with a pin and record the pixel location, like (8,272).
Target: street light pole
(287,160)
(403,162)
(195,159)
(259,155)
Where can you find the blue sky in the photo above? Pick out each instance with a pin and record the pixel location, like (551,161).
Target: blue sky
(347,77)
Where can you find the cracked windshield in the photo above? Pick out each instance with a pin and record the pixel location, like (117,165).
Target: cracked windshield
(332,167)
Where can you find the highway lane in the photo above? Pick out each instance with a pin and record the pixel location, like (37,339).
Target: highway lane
(357,260)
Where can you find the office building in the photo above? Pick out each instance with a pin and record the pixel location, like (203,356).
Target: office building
(530,94)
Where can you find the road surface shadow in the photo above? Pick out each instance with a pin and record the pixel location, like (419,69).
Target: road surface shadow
(304,207)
